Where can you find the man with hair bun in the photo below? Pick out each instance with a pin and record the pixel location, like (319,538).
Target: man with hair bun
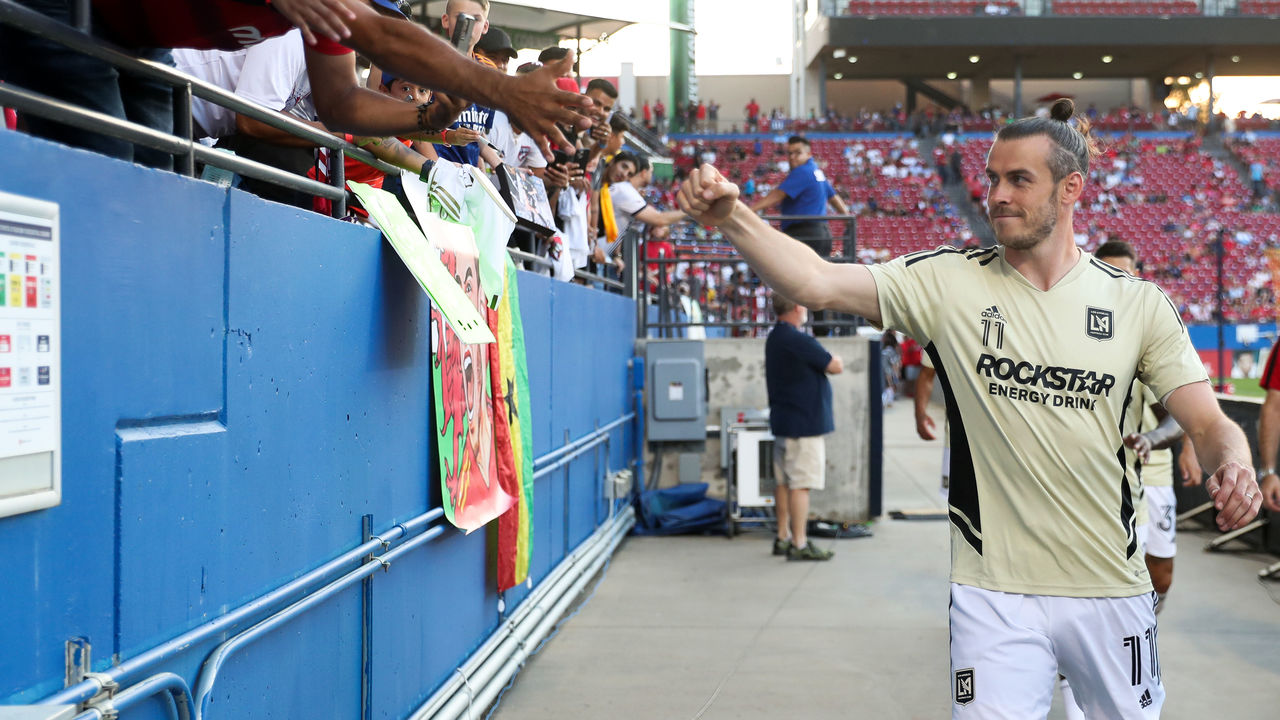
(1037,346)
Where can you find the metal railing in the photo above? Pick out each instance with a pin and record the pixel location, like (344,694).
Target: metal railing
(666,286)
(279,606)
(185,148)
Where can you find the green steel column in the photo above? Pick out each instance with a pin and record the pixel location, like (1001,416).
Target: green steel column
(684,80)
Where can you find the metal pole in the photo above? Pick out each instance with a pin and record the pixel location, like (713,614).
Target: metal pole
(366,630)
(184,128)
(1017,86)
(1220,251)
(80,16)
(1208,116)
(338,177)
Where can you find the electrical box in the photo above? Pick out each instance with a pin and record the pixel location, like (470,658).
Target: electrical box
(677,391)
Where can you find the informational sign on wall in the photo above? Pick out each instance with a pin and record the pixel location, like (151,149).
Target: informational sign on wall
(30,356)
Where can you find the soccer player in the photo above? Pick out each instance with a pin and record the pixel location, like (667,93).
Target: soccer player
(1037,346)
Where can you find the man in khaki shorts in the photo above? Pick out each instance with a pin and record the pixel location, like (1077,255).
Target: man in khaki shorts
(796,369)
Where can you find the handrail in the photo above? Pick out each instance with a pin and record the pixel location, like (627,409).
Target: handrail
(33,22)
(87,688)
(577,444)
(69,114)
(523,256)
(213,664)
(165,682)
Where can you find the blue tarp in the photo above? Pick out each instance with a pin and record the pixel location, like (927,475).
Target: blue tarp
(678,510)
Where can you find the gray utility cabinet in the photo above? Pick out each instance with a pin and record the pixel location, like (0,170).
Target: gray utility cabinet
(677,391)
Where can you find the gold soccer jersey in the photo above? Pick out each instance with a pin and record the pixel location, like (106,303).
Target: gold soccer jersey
(1038,385)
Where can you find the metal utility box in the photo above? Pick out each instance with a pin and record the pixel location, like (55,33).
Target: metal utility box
(677,391)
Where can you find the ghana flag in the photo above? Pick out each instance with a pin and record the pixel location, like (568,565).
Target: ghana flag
(513,434)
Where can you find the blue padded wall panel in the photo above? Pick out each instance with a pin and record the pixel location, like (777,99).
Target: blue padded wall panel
(142,338)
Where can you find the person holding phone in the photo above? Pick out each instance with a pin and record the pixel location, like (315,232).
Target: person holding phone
(464,22)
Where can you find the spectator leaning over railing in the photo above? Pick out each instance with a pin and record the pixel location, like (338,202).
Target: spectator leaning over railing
(621,204)
(475,117)
(404,49)
(395,151)
(273,74)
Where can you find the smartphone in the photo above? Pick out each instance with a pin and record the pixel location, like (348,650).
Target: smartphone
(463,26)
(581,157)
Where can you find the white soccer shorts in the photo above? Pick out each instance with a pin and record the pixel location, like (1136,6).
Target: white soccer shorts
(1008,649)
(1162,506)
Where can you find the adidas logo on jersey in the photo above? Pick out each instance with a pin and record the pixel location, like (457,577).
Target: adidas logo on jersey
(992,312)
(1145,700)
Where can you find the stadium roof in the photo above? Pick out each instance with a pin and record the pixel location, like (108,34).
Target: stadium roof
(555,17)
(1149,47)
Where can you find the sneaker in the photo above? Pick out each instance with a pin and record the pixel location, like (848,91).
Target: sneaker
(808,552)
(780,547)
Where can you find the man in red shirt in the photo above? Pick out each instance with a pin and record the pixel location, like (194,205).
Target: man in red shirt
(402,48)
(1269,432)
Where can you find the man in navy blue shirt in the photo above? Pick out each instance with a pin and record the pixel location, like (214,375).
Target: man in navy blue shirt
(805,191)
(795,370)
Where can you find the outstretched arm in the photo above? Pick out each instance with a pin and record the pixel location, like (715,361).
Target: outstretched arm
(773,199)
(411,52)
(787,265)
(1221,445)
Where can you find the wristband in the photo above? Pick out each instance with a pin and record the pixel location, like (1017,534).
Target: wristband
(444,137)
(423,124)
(1266,472)
(425,172)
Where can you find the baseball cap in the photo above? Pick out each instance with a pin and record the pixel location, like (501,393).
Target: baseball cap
(400,7)
(495,42)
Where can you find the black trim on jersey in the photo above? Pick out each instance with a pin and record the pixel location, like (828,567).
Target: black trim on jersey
(987,261)
(963,493)
(1127,518)
(1111,270)
(1270,369)
(926,254)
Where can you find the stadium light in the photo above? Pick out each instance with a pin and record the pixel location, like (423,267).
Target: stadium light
(1184,80)
(1168,79)
(951,76)
(839,53)
(1235,58)
(1077,75)
(853,58)
(1107,58)
(1199,76)
(839,76)
(975,59)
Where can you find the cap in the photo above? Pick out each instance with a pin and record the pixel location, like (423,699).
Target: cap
(568,85)
(496,42)
(399,7)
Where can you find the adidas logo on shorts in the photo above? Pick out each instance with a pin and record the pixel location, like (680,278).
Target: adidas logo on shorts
(1145,700)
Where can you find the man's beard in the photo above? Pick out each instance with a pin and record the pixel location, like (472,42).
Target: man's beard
(1042,225)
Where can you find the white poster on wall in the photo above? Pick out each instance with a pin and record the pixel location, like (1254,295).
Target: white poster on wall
(30,355)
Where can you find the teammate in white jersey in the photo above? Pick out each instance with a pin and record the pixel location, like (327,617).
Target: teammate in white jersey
(1155,432)
(1037,346)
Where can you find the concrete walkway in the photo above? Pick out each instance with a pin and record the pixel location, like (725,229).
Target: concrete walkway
(694,627)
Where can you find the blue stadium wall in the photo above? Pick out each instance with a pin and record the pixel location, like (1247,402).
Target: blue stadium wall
(242,382)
